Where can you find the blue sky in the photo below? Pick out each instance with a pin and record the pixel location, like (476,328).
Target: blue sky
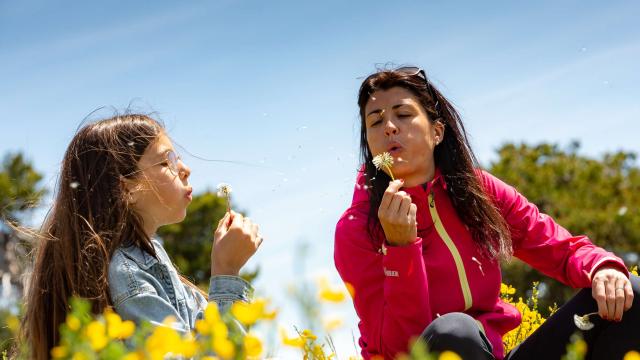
(274,83)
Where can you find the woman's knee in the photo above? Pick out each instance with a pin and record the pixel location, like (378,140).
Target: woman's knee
(457,332)
(452,327)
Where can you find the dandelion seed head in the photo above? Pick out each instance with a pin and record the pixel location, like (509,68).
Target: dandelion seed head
(224,189)
(622,211)
(583,322)
(384,160)
(74,185)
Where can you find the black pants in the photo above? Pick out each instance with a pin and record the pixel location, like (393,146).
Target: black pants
(459,332)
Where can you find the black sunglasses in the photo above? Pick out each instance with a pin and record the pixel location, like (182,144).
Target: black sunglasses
(416,71)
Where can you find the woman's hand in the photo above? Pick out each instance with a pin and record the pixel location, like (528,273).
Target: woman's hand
(612,290)
(236,239)
(397,215)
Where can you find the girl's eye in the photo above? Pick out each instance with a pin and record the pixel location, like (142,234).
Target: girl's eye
(404,115)
(375,123)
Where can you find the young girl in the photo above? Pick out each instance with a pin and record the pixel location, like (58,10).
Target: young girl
(120,181)
(422,253)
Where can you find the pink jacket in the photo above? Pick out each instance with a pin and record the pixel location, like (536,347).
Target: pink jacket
(398,294)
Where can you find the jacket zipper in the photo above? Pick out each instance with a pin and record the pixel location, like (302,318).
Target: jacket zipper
(462,274)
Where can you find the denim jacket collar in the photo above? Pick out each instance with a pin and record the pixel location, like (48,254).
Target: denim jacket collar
(140,257)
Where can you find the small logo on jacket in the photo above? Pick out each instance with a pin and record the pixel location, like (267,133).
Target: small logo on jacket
(390,273)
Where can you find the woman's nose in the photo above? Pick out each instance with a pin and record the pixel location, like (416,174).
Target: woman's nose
(390,128)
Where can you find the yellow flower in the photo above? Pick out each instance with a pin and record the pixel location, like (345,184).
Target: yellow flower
(632,355)
(79,356)
(331,323)
(449,355)
(202,327)
(163,340)
(59,352)
(13,324)
(329,293)
(73,323)
(249,313)
(133,356)
(308,334)
(116,328)
(223,347)
(634,270)
(211,313)
(296,341)
(507,289)
(581,347)
(350,289)
(96,332)
(187,348)
(252,345)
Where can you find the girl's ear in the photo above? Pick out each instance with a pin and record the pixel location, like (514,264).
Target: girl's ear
(130,189)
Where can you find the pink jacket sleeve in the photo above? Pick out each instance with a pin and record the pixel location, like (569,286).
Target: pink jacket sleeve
(391,295)
(545,245)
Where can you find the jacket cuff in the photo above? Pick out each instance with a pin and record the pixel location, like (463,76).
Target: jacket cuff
(396,263)
(229,288)
(609,261)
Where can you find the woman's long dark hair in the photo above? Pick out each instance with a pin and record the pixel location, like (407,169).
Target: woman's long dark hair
(90,218)
(453,156)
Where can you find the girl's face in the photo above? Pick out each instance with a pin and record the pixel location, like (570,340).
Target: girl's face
(397,123)
(161,192)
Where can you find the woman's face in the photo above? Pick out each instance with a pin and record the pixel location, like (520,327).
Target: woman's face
(161,191)
(396,123)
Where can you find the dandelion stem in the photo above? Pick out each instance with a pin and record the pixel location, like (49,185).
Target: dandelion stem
(390,172)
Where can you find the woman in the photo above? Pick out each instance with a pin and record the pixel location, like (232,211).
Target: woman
(422,252)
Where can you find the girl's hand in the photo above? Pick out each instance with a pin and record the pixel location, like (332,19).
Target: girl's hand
(397,215)
(612,290)
(236,239)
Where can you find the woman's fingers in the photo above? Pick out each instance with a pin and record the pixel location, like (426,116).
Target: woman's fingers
(620,298)
(610,287)
(599,293)
(392,189)
(628,300)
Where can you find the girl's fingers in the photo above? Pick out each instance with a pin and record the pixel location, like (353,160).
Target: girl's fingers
(223,224)
(238,220)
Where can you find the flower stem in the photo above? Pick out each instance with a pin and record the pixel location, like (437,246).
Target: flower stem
(390,172)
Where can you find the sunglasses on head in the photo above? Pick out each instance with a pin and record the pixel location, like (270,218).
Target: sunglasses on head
(416,71)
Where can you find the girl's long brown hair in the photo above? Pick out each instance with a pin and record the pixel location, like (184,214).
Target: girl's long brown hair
(90,218)
(453,156)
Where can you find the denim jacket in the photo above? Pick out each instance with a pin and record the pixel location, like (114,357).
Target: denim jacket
(145,288)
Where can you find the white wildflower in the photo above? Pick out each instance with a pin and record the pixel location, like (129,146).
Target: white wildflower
(583,322)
